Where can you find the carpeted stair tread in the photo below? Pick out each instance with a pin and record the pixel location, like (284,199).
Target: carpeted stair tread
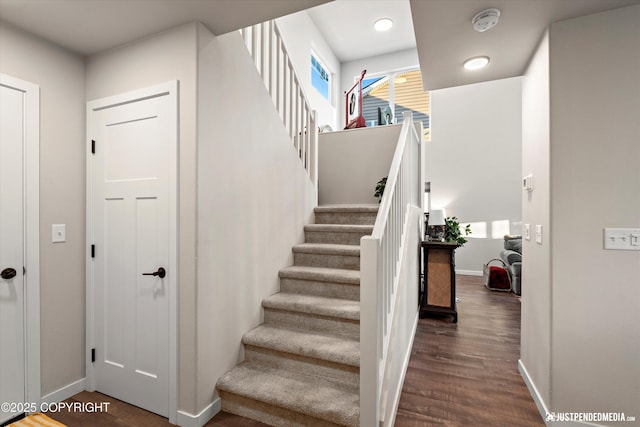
(327,249)
(348,208)
(311,304)
(309,395)
(321,274)
(342,228)
(314,345)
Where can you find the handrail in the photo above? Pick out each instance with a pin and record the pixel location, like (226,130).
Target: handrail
(385,260)
(273,62)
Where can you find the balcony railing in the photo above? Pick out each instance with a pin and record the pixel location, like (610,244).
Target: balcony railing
(273,62)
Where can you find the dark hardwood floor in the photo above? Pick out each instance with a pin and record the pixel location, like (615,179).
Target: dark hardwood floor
(462,374)
(466,374)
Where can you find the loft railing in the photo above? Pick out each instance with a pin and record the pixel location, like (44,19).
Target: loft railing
(274,65)
(389,282)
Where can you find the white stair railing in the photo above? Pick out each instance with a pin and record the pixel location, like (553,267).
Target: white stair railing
(264,43)
(388,262)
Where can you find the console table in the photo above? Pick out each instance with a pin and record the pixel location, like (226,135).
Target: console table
(439,275)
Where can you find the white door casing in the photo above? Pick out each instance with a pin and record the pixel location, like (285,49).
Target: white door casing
(19,245)
(132,223)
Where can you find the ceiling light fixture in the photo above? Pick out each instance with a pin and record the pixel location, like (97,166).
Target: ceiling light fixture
(476,63)
(383,24)
(485,20)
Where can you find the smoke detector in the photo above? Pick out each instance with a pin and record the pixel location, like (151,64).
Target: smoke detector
(485,20)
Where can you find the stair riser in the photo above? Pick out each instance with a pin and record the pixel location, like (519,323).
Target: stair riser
(291,319)
(268,414)
(335,237)
(324,289)
(326,260)
(345,375)
(352,218)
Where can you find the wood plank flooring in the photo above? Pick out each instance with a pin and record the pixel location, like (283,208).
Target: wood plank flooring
(466,374)
(462,374)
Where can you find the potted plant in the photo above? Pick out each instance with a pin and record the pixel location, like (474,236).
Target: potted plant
(453,233)
(380,189)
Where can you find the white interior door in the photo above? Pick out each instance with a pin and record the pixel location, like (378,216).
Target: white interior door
(131,227)
(12,291)
(19,245)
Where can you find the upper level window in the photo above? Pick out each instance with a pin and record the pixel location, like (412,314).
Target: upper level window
(394,93)
(320,77)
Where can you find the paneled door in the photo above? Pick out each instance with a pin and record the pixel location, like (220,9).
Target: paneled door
(19,105)
(132,233)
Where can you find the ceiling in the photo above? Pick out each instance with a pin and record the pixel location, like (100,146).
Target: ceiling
(90,26)
(443,33)
(446,38)
(347,26)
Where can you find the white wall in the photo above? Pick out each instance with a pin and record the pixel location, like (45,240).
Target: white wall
(168,56)
(535,342)
(396,61)
(60,75)
(580,341)
(474,163)
(301,37)
(350,163)
(254,198)
(595,183)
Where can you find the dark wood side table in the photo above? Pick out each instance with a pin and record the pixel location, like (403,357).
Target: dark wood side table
(439,275)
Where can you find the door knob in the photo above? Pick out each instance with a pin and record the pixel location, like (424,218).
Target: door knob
(8,273)
(160,273)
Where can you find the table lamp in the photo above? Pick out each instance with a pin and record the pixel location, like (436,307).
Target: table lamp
(436,226)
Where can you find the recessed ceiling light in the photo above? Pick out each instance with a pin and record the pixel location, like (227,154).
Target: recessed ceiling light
(401,80)
(383,24)
(476,63)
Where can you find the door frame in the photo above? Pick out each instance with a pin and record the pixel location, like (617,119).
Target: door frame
(170,89)
(31,204)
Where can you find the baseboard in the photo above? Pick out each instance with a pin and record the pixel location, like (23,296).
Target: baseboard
(542,407)
(405,365)
(186,419)
(537,398)
(469,272)
(65,392)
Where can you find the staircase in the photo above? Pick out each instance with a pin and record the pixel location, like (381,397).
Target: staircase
(302,365)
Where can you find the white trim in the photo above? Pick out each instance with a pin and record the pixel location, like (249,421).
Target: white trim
(171,89)
(32,232)
(65,392)
(469,272)
(542,407)
(405,366)
(186,419)
(537,398)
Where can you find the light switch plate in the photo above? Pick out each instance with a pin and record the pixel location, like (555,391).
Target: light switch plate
(527,232)
(58,233)
(622,239)
(538,233)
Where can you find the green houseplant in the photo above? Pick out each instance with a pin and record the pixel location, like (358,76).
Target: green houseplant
(380,188)
(453,232)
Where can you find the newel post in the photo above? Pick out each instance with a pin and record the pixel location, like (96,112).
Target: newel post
(369,332)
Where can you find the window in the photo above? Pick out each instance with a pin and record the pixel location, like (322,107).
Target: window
(320,77)
(396,93)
